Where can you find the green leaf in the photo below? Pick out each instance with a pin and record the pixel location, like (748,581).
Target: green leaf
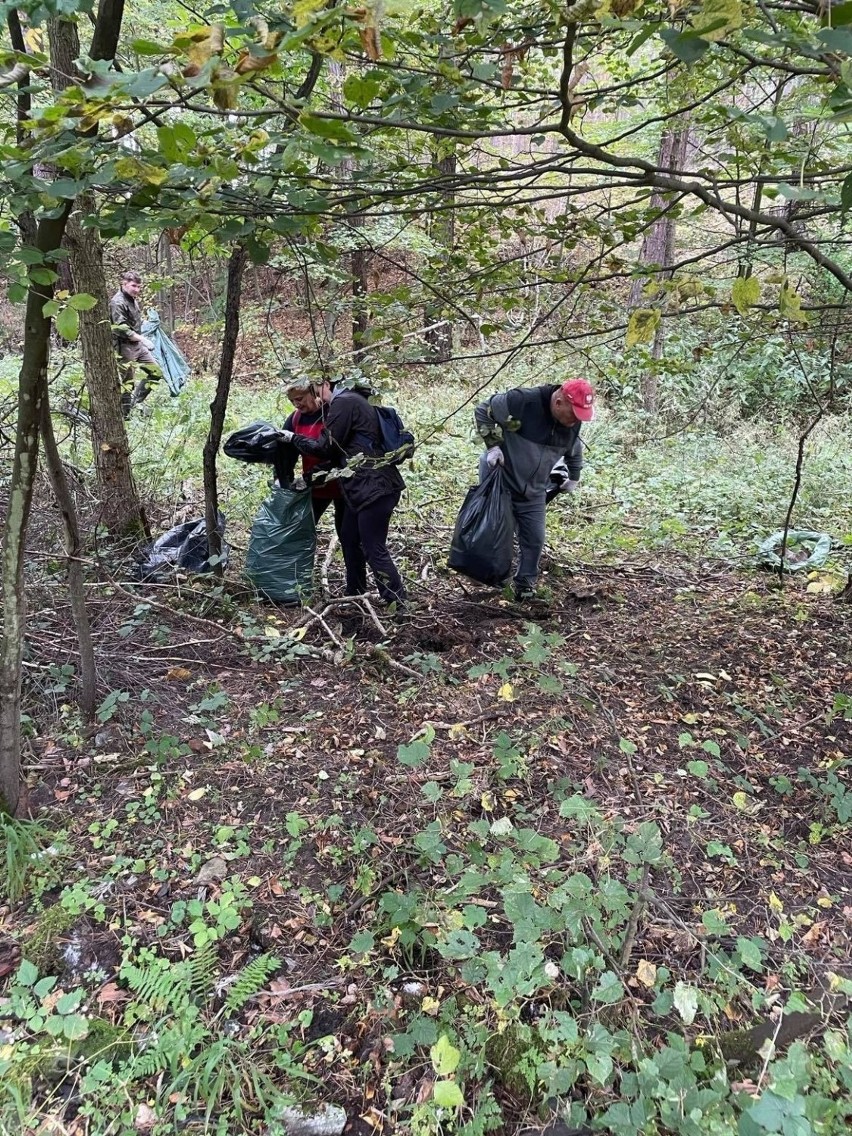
(417,751)
(82,302)
(363,942)
(68,324)
(697,768)
(75,1027)
(331,128)
(43,276)
(687,46)
(711,747)
(447,1094)
(445,1057)
(599,1066)
(578,808)
(608,989)
(643,326)
(27,974)
(65,1003)
(745,293)
(686,1002)
(749,952)
(713,923)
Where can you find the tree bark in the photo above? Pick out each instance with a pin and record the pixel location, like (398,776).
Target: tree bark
(359,263)
(219,405)
(87,698)
(121,510)
(439,329)
(32,383)
(658,248)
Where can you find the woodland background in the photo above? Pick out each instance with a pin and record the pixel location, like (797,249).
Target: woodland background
(582,868)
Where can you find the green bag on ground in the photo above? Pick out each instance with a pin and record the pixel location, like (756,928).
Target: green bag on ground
(805,549)
(282,544)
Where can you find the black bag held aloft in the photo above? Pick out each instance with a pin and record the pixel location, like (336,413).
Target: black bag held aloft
(183,548)
(257,442)
(482,540)
(280,559)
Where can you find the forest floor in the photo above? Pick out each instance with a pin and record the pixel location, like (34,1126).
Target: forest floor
(326,787)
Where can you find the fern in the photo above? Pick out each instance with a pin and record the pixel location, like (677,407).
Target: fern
(165,1050)
(250,980)
(162,985)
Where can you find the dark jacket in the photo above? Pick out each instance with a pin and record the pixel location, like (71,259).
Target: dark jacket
(521,423)
(125,315)
(351,430)
(313,470)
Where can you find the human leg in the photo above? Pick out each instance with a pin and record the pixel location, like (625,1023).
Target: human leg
(529,525)
(353,554)
(319,506)
(373,525)
(151,373)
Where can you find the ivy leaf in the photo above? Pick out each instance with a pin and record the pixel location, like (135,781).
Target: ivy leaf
(447,1094)
(686,1002)
(445,1057)
(642,326)
(745,293)
(68,324)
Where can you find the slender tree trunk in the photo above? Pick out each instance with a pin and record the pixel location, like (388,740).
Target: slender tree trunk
(658,249)
(219,405)
(32,383)
(439,328)
(121,510)
(73,548)
(359,264)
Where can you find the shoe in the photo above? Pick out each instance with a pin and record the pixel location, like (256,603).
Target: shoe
(526,595)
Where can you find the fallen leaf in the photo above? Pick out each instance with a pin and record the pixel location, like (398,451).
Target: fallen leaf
(646,972)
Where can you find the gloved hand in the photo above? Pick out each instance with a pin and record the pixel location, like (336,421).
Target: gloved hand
(299,485)
(569,486)
(286,435)
(146,343)
(494,456)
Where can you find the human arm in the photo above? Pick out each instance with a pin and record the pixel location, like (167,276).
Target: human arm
(121,321)
(574,460)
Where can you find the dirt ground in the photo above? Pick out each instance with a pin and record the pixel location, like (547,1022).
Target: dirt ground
(723,685)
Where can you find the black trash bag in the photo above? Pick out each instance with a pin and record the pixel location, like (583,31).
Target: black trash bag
(282,544)
(257,442)
(183,548)
(482,540)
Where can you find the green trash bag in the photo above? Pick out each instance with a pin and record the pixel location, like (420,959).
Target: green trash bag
(805,549)
(282,544)
(167,353)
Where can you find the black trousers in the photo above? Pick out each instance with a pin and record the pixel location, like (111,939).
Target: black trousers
(363,538)
(320,504)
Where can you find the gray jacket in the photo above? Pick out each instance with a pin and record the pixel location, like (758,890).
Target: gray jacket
(125,315)
(521,423)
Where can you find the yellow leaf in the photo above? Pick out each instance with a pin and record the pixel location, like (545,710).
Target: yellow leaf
(745,293)
(457,731)
(196,794)
(824,901)
(178,673)
(775,903)
(506,692)
(430,1006)
(646,972)
(488,802)
(643,326)
(305,10)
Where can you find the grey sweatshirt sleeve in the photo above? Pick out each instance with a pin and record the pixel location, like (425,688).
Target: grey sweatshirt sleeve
(574,459)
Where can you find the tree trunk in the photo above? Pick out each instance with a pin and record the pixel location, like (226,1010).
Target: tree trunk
(219,405)
(121,510)
(73,548)
(658,248)
(359,263)
(439,329)
(32,383)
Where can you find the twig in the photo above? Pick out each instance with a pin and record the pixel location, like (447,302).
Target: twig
(332,545)
(635,916)
(318,618)
(770,1051)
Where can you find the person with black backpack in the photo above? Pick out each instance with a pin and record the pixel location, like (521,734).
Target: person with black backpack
(355,439)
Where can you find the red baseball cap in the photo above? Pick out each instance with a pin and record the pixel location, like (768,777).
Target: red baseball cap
(582,398)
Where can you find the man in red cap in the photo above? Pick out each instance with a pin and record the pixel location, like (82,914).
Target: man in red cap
(528,431)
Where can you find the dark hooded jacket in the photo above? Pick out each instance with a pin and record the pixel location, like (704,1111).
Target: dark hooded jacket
(352,442)
(521,423)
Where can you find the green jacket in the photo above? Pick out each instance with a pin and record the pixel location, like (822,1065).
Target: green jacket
(125,315)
